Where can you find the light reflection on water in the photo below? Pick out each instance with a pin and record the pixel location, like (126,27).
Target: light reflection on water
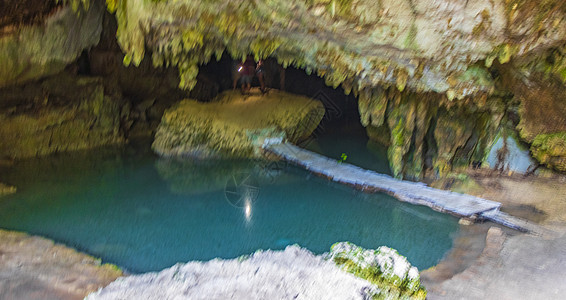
(145,214)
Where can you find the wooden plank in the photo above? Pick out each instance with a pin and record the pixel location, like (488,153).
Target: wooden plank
(412,192)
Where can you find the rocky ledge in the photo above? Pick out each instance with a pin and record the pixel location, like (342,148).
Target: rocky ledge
(294,273)
(35,268)
(235,125)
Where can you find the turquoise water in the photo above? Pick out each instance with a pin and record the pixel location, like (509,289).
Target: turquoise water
(145,214)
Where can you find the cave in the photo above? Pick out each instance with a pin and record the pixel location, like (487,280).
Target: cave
(279,148)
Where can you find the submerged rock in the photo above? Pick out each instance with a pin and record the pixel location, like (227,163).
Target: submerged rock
(294,273)
(235,125)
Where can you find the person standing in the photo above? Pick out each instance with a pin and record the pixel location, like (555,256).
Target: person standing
(260,73)
(247,71)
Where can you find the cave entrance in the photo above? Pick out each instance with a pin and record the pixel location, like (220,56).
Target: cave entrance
(218,76)
(339,135)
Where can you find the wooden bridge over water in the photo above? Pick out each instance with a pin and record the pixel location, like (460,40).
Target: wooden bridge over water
(418,193)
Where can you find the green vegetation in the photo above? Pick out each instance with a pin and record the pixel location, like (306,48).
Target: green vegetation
(550,150)
(391,273)
(73,114)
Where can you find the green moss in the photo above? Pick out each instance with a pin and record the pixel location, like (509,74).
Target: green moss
(478,75)
(341,8)
(6,189)
(504,54)
(550,150)
(410,39)
(263,48)
(81,117)
(379,267)
(235,125)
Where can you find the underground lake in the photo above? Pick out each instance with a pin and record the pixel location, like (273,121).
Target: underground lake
(143,213)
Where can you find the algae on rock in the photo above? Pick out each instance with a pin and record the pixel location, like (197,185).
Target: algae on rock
(423,132)
(35,51)
(550,150)
(422,45)
(65,113)
(235,125)
(392,273)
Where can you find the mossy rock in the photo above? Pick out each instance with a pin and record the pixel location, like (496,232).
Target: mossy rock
(6,189)
(65,113)
(391,272)
(550,150)
(35,51)
(357,44)
(235,125)
(380,135)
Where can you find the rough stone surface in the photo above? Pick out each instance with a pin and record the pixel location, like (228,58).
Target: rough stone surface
(62,113)
(390,271)
(294,273)
(513,266)
(33,51)
(550,150)
(518,267)
(423,45)
(36,268)
(235,125)
(6,189)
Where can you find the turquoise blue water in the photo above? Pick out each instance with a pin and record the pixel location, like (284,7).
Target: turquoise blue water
(143,213)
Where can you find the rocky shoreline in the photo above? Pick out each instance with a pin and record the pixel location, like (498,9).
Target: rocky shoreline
(33,267)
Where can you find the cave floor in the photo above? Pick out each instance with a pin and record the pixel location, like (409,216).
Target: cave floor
(512,265)
(487,261)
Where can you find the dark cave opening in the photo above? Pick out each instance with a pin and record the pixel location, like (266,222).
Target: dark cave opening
(217,76)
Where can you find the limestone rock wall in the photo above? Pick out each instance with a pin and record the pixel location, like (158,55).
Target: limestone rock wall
(29,52)
(446,50)
(62,113)
(429,135)
(428,73)
(538,87)
(422,45)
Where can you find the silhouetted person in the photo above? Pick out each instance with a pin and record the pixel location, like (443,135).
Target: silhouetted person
(236,74)
(247,71)
(260,73)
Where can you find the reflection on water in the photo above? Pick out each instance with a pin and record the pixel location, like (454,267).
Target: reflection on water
(143,213)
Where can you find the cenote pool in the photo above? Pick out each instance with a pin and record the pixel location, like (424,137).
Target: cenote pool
(143,213)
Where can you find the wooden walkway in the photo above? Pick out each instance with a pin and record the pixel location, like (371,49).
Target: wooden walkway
(412,192)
